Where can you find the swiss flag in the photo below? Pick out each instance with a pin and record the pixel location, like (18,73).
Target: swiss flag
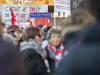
(13,20)
(43,21)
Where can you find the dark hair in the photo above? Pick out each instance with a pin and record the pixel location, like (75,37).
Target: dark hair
(40,26)
(31,32)
(93,6)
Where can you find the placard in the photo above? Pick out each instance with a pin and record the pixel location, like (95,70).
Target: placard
(21,12)
(62,6)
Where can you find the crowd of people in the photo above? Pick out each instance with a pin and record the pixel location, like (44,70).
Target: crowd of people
(71,49)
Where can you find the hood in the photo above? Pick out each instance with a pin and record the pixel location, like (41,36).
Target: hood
(29,44)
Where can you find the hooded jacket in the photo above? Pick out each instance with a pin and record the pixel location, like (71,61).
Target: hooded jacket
(33,45)
(84,59)
(34,62)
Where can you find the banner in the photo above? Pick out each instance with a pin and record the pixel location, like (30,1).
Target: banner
(43,21)
(40,15)
(62,6)
(21,12)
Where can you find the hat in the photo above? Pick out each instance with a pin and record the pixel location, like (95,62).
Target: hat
(13,28)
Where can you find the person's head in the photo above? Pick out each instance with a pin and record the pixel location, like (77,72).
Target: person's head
(76,21)
(93,6)
(15,30)
(32,33)
(54,37)
(79,18)
(17,33)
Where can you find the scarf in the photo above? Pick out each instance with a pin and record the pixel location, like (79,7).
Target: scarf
(55,53)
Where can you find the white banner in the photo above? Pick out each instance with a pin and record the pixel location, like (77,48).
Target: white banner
(21,12)
(62,6)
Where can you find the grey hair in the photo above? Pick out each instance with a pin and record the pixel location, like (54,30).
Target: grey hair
(53,31)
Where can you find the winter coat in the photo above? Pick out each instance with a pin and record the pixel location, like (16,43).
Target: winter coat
(34,62)
(71,36)
(33,45)
(71,40)
(54,56)
(10,60)
(8,38)
(83,59)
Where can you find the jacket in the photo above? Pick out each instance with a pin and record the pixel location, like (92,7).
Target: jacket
(33,45)
(10,60)
(84,59)
(34,62)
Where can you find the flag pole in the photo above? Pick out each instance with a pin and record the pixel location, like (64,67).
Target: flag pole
(54,16)
(54,21)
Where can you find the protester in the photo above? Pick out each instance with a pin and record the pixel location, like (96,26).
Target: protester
(55,48)
(4,33)
(10,60)
(15,32)
(84,58)
(73,25)
(32,39)
(34,62)
(32,52)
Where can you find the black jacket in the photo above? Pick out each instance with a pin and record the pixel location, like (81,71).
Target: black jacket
(34,62)
(83,59)
(10,60)
(71,40)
